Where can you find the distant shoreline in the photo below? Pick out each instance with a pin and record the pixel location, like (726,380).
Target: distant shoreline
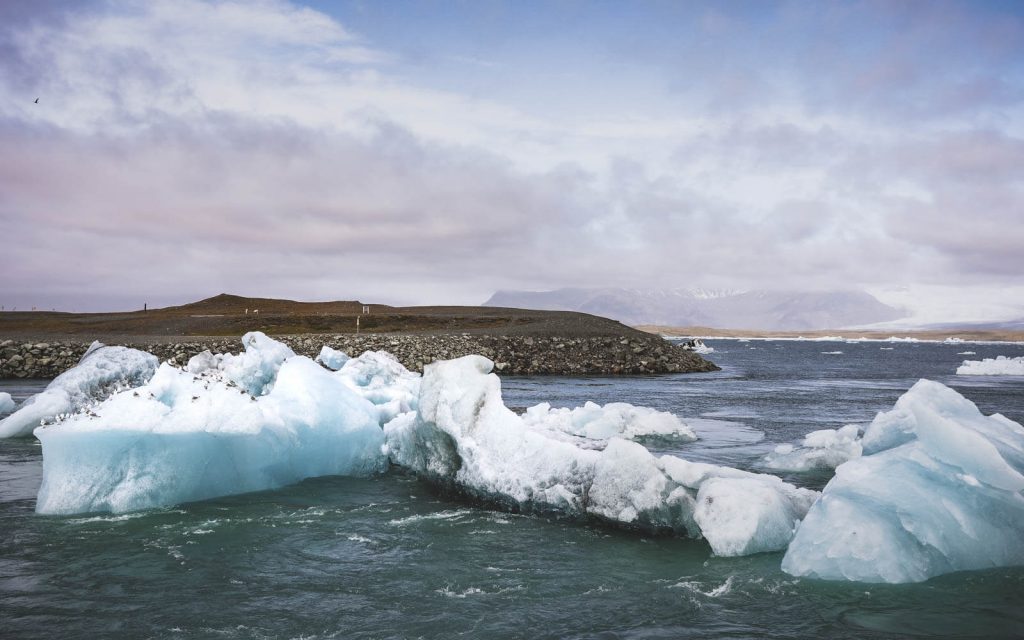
(874,335)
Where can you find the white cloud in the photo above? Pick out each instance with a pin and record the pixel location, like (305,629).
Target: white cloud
(222,144)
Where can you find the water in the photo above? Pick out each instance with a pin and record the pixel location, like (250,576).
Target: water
(386,558)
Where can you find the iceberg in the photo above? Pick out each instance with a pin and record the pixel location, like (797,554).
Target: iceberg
(102,371)
(998,366)
(188,436)
(464,438)
(939,489)
(824,449)
(596,422)
(6,403)
(332,358)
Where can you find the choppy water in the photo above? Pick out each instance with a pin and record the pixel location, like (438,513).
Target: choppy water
(386,558)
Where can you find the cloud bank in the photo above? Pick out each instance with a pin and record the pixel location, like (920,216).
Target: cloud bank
(266,148)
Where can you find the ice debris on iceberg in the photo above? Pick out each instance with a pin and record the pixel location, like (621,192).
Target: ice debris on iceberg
(596,422)
(332,358)
(102,371)
(251,422)
(998,366)
(6,403)
(463,437)
(939,489)
(824,449)
(380,378)
(253,370)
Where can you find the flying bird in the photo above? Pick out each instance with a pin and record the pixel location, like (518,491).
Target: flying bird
(37,101)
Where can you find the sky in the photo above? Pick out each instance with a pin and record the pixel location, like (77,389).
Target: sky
(435,152)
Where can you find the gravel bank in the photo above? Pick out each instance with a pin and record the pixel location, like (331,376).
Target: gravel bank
(514,355)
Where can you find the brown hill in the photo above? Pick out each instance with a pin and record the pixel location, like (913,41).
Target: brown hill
(230,315)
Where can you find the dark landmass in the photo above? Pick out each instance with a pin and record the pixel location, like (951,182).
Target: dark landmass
(44,344)
(228,315)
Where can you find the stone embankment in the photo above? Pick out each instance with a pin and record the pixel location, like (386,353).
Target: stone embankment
(513,355)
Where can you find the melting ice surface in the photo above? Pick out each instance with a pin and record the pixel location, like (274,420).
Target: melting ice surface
(101,371)
(464,436)
(596,422)
(998,366)
(939,489)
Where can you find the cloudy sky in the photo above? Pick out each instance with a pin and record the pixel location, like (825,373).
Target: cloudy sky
(430,152)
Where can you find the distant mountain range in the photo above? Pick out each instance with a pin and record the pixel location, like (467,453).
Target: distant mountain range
(771,310)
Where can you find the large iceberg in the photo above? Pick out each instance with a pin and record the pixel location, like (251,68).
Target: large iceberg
(823,449)
(234,425)
(6,403)
(998,366)
(596,422)
(465,438)
(939,489)
(102,371)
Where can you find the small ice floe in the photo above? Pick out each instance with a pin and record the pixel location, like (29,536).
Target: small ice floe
(6,403)
(824,449)
(998,366)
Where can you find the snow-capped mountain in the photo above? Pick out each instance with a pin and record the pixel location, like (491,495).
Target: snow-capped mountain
(759,309)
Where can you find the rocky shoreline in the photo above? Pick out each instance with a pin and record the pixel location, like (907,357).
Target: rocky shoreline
(512,354)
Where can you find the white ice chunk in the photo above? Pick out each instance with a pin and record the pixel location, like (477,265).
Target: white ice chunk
(186,437)
(6,403)
(463,436)
(253,370)
(101,371)
(939,491)
(380,378)
(332,358)
(598,422)
(998,366)
(824,449)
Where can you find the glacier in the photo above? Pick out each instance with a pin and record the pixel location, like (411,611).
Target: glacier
(464,438)
(596,422)
(939,489)
(998,366)
(223,426)
(822,449)
(6,403)
(102,371)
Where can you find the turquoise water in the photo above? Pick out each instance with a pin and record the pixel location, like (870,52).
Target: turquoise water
(386,557)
